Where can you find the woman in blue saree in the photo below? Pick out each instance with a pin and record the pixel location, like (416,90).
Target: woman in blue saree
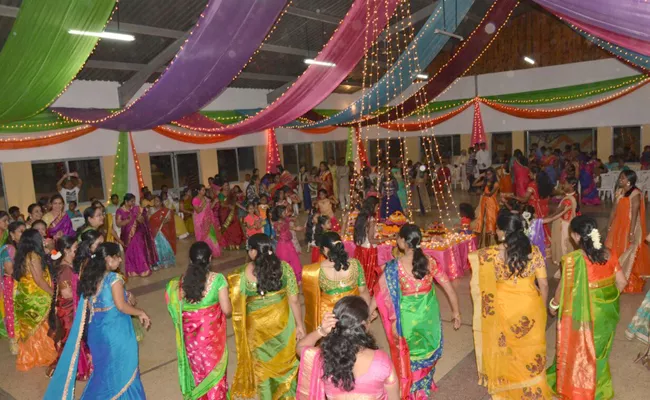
(105,305)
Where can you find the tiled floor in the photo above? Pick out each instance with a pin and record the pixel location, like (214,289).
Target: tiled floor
(455,374)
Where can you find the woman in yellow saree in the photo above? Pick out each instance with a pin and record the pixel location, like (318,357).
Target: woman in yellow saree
(510,314)
(587,304)
(267,321)
(326,282)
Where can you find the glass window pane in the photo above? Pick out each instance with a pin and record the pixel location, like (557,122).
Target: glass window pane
(341,147)
(45,176)
(90,172)
(627,143)
(161,171)
(246,157)
(501,147)
(561,138)
(188,169)
(226,160)
(305,156)
(3,200)
(329,150)
(290,162)
(456,144)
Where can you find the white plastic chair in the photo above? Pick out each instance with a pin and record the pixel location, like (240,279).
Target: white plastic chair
(607,184)
(643,182)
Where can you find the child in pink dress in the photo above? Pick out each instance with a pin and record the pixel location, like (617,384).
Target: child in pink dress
(285,250)
(252,221)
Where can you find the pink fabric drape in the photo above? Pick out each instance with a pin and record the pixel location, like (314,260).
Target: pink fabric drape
(478,129)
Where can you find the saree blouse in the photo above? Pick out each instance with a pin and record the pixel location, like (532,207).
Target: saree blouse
(288,281)
(412,286)
(355,279)
(535,268)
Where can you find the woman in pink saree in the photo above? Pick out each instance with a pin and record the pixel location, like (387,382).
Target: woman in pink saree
(520,173)
(140,254)
(326,182)
(324,375)
(57,220)
(206,228)
(198,303)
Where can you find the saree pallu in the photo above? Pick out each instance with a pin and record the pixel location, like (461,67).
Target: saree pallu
(164,251)
(639,327)
(7,253)
(61,224)
(204,227)
(634,257)
(521,178)
(188,211)
(367,256)
(231,230)
(486,220)
(326,182)
(509,326)
(200,346)
(163,221)
(111,229)
(587,319)
(31,309)
(316,255)
(536,235)
(140,254)
(414,332)
(317,301)
(265,339)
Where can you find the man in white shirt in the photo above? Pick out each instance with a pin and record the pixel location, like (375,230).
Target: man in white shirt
(483,158)
(68,190)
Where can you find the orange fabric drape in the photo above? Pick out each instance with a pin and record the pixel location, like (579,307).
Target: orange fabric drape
(421,125)
(541,113)
(17,142)
(319,131)
(190,137)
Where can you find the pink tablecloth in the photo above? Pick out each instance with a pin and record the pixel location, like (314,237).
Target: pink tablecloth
(453,260)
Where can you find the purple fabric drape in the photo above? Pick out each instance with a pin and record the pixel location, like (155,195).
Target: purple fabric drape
(630,43)
(226,36)
(460,62)
(358,30)
(625,17)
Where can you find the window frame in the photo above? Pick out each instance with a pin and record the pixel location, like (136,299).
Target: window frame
(639,150)
(296,147)
(174,165)
(236,149)
(66,162)
(493,150)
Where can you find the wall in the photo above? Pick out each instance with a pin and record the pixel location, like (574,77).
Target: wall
(102,143)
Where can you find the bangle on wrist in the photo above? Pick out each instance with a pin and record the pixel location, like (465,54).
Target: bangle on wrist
(320,331)
(552,305)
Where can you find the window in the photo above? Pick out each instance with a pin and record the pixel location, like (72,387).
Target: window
(296,155)
(3,200)
(334,150)
(448,147)
(47,174)
(627,142)
(234,164)
(174,170)
(559,139)
(501,147)
(384,146)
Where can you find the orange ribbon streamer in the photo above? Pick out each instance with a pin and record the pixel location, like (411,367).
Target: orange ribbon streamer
(421,125)
(17,143)
(194,138)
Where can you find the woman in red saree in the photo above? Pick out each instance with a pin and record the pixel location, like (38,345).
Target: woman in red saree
(520,173)
(627,231)
(198,303)
(231,231)
(537,195)
(325,179)
(162,220)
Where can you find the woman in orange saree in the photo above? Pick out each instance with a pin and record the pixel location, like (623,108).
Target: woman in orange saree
(488,207)
(510,314)
(627,230)
(587,304)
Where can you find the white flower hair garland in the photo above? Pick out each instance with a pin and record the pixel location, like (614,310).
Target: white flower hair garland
(595,237)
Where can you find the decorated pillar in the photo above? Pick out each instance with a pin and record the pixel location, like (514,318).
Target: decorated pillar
(273,154)
(478,129)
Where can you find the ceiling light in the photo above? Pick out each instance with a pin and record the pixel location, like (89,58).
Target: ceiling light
(422,76)
(529,60)
(321,63)
(104,35)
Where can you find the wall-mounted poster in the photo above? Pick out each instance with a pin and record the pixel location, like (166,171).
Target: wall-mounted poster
(561,138)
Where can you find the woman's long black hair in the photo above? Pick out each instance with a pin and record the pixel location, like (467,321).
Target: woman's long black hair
(519,156)
(278,213)
(267,267)
(361,223)
(337,254)
(413,237)
(83,254)
(30,242)
(96,268)
(631,177)
(194,280)
(62,244)
(517,244)
(319,230)
(127,197)
(349,336)
(544,185)
(573,181)
(583,225)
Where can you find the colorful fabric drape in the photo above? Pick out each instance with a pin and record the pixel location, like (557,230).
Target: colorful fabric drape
(272,155)
(358,30)
(17,143)
(265,338)
(225,37)
(587,319)
(200,340)
(120,179)
(40,58)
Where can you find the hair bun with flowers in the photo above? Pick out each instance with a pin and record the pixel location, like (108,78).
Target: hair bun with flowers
(595,237)
(55,255)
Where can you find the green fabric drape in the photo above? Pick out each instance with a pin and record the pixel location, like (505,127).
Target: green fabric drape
(44,121)
(40,58)
(121,169)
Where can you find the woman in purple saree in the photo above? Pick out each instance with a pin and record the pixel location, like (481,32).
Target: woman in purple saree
(589,193)
(140,253)
(57,220)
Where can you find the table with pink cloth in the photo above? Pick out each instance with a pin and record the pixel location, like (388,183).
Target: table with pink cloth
(453,260)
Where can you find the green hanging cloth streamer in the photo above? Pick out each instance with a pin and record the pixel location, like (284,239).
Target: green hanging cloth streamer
(349,147)
(121,170)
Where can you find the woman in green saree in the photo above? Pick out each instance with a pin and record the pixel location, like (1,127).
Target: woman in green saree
(267,320)
(198,303)
(587,302)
